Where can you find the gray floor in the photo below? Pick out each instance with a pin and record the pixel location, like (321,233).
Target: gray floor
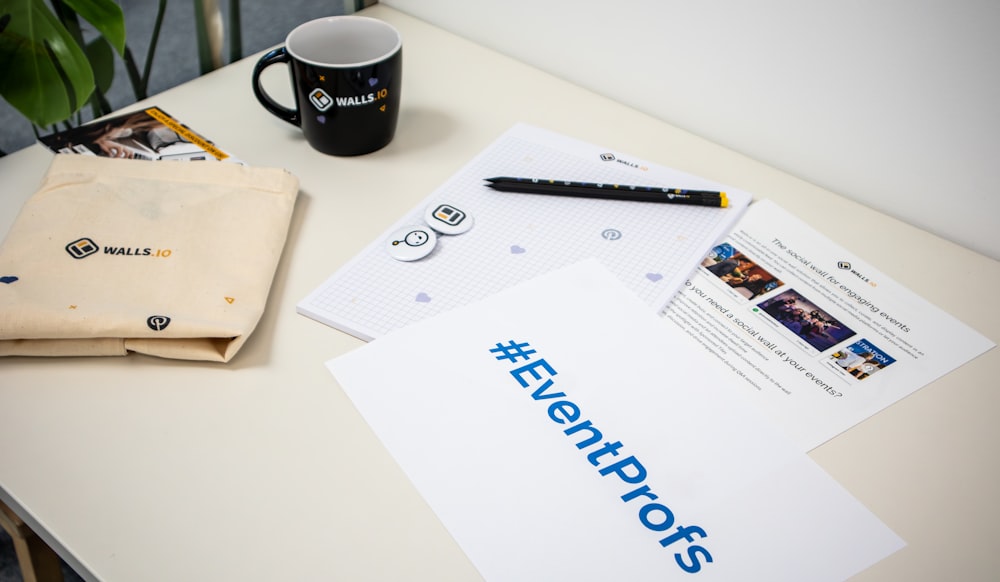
(264,23)
(9,570)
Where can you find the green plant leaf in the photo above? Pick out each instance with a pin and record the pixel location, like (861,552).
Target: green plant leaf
(102,61)
(106,16)
(44,74)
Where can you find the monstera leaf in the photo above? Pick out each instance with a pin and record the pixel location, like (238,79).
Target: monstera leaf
(44,73)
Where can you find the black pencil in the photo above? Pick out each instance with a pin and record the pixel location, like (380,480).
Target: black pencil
(609,191)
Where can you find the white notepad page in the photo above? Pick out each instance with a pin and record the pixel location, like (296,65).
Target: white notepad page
(651,247)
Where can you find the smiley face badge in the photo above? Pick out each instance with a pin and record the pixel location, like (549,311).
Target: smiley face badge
(411,243)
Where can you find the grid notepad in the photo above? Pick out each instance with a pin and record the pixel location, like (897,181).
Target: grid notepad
(651,247)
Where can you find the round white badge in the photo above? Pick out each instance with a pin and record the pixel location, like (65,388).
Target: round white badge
(411,243)
(447,219)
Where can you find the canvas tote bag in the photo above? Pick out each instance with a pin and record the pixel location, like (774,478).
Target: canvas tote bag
(166,258)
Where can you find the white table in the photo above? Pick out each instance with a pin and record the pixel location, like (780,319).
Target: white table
(140,468)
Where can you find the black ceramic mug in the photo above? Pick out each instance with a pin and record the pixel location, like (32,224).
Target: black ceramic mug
(346,75)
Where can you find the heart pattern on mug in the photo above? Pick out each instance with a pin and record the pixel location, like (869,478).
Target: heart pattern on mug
(321,118)
(8,279)
(373,81)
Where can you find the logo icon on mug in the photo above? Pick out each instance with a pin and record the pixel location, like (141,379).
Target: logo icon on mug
(320,99)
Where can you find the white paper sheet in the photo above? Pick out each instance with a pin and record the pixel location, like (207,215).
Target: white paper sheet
(543,482)
(877,343)
(651,247)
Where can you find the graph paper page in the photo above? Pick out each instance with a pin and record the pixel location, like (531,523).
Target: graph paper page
(651,247)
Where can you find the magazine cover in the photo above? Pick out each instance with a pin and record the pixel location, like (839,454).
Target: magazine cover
(149,134)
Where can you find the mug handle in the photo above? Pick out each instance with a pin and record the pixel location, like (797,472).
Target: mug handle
(278,55)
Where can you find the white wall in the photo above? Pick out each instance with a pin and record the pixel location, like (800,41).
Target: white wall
(893,103)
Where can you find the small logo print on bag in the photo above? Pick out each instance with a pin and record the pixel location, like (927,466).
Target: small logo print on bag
(81,248)
(158,322)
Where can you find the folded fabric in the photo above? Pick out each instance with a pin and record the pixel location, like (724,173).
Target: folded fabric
(168,258)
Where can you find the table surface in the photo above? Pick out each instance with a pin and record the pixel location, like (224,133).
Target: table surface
(144,468)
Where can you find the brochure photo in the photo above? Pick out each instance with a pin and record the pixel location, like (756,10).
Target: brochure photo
(149,134)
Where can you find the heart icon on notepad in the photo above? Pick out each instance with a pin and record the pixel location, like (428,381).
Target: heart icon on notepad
(423,297)
(8,279)
(654,277)
(516,250)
